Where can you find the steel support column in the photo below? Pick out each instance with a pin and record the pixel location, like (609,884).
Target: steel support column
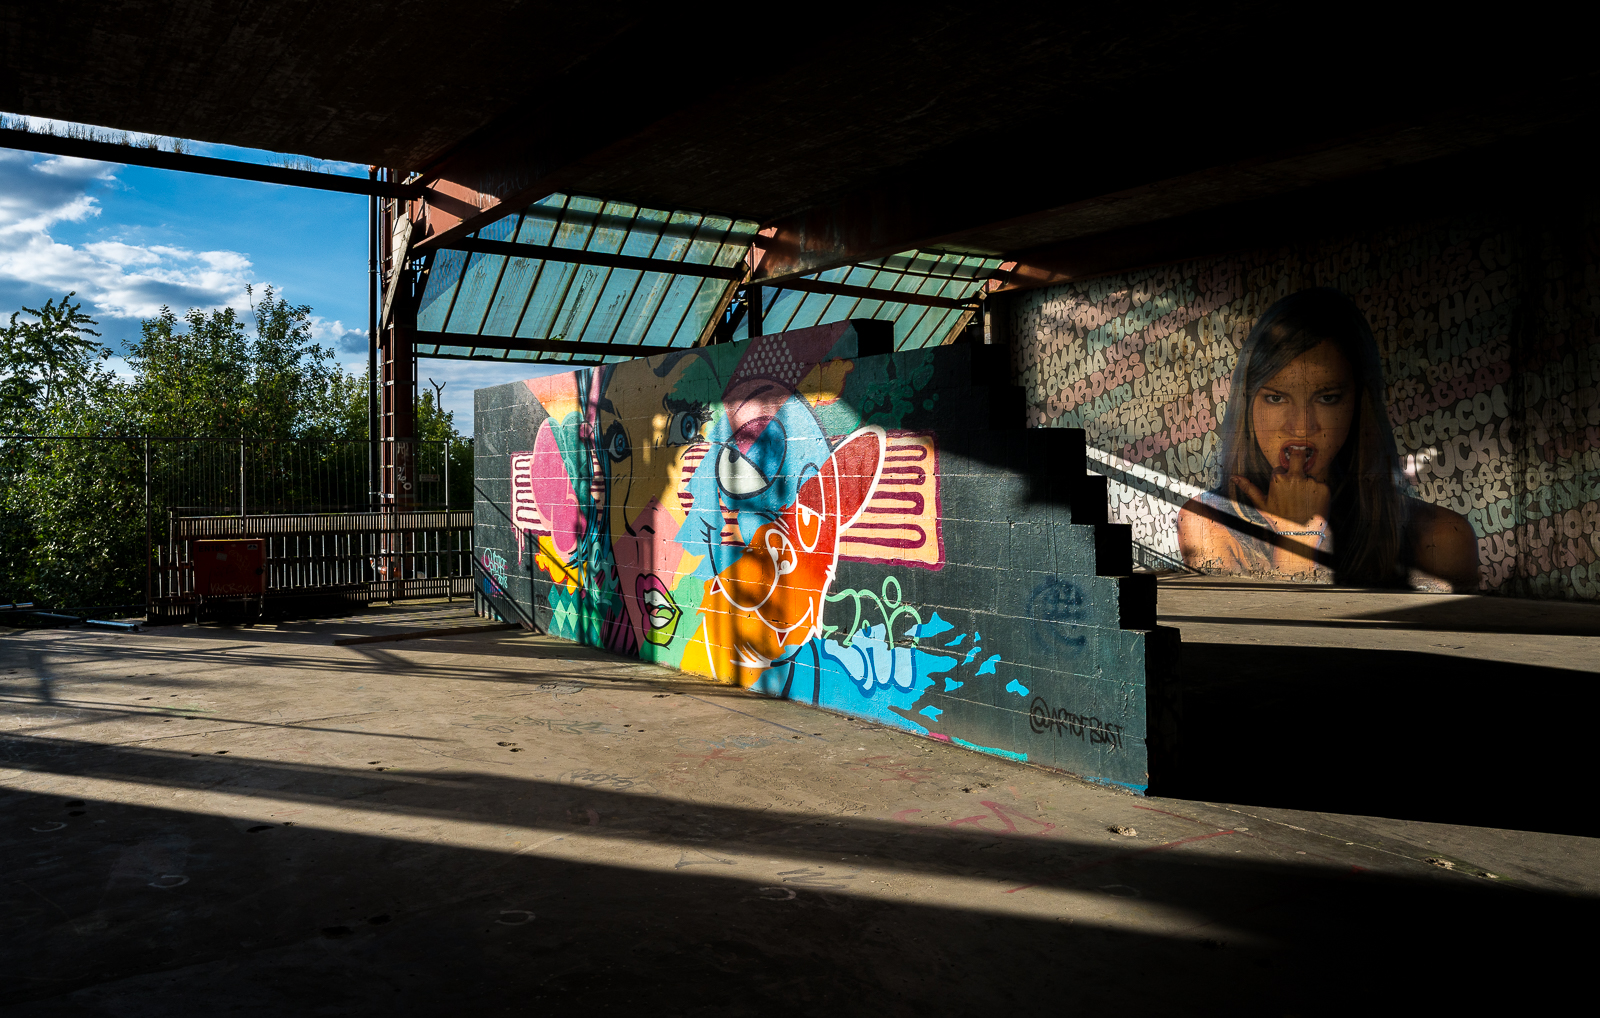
(397,395)
(397,381)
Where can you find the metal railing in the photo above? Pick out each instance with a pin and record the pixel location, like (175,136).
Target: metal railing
(357,557)
(89,520)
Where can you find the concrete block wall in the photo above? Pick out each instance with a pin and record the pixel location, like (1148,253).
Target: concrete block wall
(814,517)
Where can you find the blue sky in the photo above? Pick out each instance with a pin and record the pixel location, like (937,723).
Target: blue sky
(129,239)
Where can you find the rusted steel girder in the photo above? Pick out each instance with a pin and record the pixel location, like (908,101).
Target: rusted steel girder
(136,155)
(580,257)
(481,342)
(396,367)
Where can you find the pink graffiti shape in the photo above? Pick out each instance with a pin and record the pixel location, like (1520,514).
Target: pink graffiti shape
(905,814)
(553,491)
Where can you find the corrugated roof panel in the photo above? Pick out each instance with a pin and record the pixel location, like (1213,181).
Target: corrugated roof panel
(611,227)
(811,311)
(472,297)
(440,292)
(648,298)
(674,307)
(548,293)
(539,223)
(577,223)
(532,298)
(712,296)
(950,275)
(914,335)
(512,296)
(611,306)
(646,233)
(578,302)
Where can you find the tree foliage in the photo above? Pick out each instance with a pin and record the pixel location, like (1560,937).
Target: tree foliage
(205,375)
(72,512)
(46,362)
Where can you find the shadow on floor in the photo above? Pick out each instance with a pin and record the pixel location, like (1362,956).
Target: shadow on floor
(1402,734)
(118,909)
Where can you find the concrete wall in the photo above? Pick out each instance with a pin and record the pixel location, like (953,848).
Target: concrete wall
(1487,338)
(873,533)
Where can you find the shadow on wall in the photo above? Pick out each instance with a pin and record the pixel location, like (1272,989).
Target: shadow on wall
(1478,331)
(1402,734)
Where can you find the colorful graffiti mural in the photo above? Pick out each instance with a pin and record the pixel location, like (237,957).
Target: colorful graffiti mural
(1485,383)
(775,514)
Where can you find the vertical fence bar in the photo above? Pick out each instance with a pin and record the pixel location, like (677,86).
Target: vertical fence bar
(149,592)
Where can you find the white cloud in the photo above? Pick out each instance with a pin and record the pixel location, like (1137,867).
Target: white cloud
(339,336)
(460,378)
(118,279)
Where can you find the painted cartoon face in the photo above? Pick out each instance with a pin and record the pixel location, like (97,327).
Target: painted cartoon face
(642,437)
(789,495)
(1308,406)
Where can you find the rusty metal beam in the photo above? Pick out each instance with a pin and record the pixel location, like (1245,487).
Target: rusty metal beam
(545,148)
(864,226)
(615,261)
(535,345)
(111,152)
(504,360)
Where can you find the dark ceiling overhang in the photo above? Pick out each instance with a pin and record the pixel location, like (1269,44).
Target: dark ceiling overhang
(850,133)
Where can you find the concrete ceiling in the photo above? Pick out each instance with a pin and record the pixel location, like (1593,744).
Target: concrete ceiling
(1008,127)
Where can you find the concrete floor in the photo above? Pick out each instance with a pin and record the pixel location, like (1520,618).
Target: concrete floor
(1466,709)
(259,821)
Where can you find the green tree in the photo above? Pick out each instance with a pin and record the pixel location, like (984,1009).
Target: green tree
(203,375)
(45,362)
(69,529)
(72,512)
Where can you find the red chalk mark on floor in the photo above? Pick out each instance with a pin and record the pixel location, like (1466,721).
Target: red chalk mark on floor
(1164,813)
(1122,856)
(1004,815)
(903,815)
(715,756)
(896,773)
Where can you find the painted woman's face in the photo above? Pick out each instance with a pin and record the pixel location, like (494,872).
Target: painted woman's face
(1308,405)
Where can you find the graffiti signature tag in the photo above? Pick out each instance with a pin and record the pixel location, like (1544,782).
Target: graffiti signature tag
(1041,718)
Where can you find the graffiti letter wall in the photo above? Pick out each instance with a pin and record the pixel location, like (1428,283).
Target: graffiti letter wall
(1447,436)
(868,532)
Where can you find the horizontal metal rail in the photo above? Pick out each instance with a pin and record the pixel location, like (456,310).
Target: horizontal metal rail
(579,257)
(136,155)
(358,557)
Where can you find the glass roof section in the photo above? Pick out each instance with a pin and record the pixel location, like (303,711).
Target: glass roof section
(492,303)
(942,274)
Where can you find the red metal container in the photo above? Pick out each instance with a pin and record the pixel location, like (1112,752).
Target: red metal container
(230,568)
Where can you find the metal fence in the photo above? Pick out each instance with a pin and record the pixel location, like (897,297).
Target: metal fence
(87,521)
(230,477)
(357,557)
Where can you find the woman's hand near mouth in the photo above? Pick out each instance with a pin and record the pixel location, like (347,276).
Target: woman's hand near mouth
(1293,495)
(1296,507)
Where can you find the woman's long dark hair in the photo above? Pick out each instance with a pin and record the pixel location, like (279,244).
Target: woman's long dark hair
(1368,507)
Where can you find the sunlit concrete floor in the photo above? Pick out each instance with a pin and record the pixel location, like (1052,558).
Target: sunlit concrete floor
(258,821)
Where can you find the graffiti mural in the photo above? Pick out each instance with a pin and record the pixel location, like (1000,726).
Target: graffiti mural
(1420,407)
(776,514)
